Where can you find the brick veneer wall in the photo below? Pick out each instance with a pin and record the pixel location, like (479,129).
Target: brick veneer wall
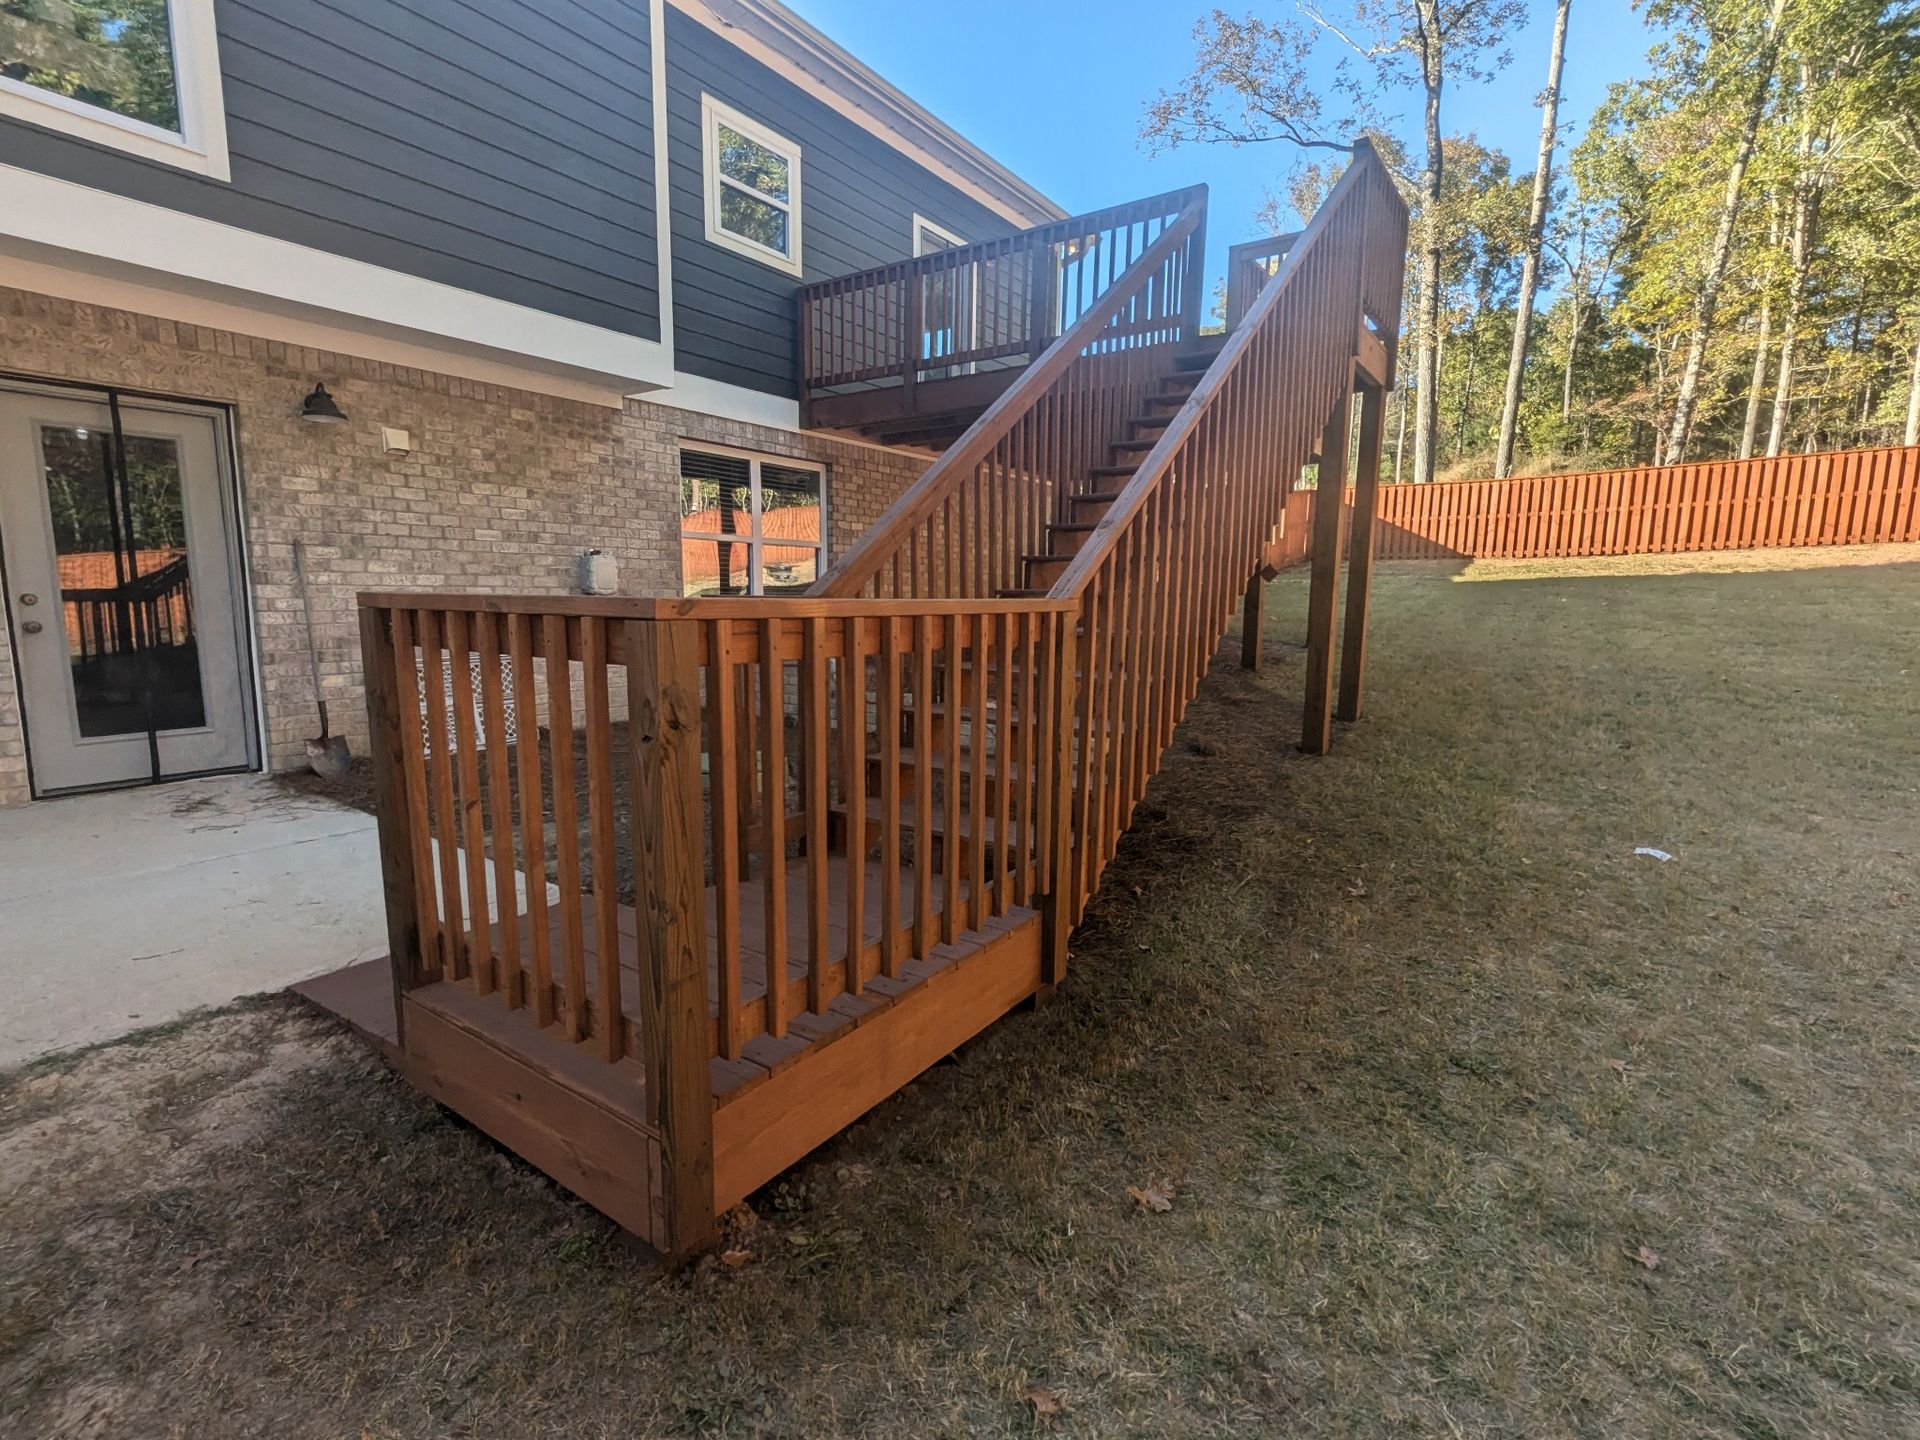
(502,491)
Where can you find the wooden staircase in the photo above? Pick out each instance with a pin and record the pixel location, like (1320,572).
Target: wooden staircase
(1085,511)
(799,849)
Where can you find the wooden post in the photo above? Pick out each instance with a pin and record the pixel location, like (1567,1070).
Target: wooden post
(392,807)
(1329,499)
(1251,611)
(1366,509)
(1056,906)
(663,698)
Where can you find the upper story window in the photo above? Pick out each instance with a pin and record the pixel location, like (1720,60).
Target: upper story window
(753,186)
(141,76)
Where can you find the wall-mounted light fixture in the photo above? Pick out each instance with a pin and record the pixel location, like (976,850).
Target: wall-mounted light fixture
(319,408)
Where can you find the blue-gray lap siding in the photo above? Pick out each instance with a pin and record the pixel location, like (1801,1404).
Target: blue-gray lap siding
(502,147)
(733,317)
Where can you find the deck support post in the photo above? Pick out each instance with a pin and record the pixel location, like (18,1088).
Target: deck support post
(1329,501)
(1252,610)
(663,698)
(388,739)
(1056,906)
(1366,507)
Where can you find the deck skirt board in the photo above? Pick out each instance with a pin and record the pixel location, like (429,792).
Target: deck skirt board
(598,1153)
(557,1104)
(767,1128)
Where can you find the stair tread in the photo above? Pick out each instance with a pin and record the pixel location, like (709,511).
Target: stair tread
(909,817)
(938,760)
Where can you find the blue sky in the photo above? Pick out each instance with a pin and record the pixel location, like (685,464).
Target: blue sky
(1055,91)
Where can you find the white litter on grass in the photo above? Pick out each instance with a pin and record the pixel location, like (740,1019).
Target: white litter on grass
(1649,850)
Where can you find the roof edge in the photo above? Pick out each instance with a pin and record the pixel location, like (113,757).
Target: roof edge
(766,28)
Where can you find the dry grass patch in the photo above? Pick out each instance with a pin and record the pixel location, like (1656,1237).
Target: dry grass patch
(1468,1121)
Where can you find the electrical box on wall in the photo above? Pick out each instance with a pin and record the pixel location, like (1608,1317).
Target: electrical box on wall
(599,573)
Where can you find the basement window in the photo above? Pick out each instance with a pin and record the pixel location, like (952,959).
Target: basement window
(139,76)
(752,185)
(749,525)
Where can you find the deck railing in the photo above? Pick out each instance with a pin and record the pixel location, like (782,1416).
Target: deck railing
(1161,573)
(965,526)
(994,303)
(1249,266)
(670,868)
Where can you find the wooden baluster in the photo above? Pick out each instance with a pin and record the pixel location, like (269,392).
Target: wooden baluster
(440,776)
(1003,759)
(979,775)
(773,700)
(566,823)
(818,748)
(923,872)
(1029,783)
(473,829)
(853,781)
(889,721)
(500,808)
(951,821)
(532,814)
(724,774)
(609,1013)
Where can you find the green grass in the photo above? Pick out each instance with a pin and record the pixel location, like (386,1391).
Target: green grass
(1428,1054)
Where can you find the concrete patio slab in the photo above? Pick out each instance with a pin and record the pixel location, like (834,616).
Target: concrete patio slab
(128,909)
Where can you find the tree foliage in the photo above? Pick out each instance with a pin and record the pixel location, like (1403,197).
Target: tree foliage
(1703,291)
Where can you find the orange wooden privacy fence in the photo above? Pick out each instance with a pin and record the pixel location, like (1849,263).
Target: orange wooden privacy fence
(1841,497)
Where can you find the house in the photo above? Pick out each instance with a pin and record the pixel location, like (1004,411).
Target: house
(447,295)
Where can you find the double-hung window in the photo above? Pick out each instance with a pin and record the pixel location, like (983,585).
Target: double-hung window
(749,525)
(141,76)
(752,185)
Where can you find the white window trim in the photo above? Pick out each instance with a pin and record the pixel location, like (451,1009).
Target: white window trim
(201,144)
(923,227)
(712,115)
(752,538)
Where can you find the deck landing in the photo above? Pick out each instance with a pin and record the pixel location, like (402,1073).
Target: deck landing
(557,1103)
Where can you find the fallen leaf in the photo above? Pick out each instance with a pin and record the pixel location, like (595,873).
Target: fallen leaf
(1046,1404)
(1647,1256)
(1619,1065)
(1357,888)
(735,1258)
(1157,1197)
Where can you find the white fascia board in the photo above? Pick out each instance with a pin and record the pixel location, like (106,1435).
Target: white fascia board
(42,210)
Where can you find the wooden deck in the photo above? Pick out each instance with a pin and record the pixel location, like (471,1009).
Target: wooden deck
(537,1092)
(860,824)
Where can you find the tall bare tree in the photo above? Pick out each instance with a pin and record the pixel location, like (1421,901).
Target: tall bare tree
(1255,80)
(1727,54)
(1536,235)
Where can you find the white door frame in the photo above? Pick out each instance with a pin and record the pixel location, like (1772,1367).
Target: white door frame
(221,527)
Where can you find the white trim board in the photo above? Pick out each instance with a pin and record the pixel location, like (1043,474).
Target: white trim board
(713,114)
(250,317)
(788,46)
(200,145)
(223,260)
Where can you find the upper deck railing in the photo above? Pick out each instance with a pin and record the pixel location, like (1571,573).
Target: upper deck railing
(993,304)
